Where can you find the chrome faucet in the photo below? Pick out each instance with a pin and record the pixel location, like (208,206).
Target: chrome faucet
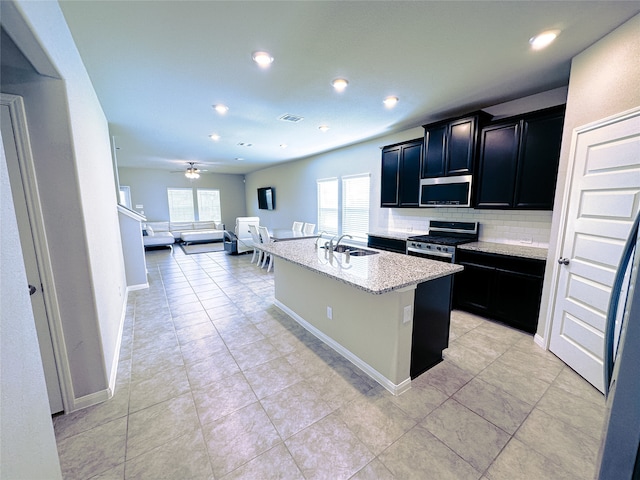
(341,237)
(319,237)
(329,245)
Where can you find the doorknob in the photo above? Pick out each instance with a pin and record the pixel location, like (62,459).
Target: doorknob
(563,261)
(32,289)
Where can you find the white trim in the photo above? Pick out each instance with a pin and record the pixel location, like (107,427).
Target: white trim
(27,167)
(555,277)
(358,362)
(140,286)
(91,399)
(541,342)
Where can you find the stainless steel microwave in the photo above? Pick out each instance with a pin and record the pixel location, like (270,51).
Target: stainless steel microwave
(446,191)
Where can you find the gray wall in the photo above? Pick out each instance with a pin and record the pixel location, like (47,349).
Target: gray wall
(72,157)
(604,80)
(149,188)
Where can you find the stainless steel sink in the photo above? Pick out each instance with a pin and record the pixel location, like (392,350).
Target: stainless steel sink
(353,251)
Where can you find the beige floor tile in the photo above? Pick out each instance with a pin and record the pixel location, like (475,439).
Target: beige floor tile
(374,470)
(254,354)
(328,449)
(93,451)
(574,410)
(238,438)
(420,400)
(532,364)
(571,382)
(522,386)
(207,371)
(271,377)
(226,395)
(147,365)
(295,408)
(198,350)
(184,457)
(494,404)
(472,437)
(519,462)
(196,332)
(159,386)
(563,444)
(469,358)
(156,425)
(418,455)
(274,464)
(446,377)
(376,423)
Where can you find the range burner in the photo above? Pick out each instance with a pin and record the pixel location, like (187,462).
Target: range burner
(440,243)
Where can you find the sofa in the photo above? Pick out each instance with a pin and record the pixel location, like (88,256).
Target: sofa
(186,232)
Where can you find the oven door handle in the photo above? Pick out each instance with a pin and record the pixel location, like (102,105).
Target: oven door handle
(435,254)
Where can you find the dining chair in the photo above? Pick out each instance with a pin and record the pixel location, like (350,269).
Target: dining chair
(255,238)
(266,238)
(297,226)
(309,228)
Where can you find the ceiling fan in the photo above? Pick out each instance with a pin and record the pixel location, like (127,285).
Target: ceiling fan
(192,171)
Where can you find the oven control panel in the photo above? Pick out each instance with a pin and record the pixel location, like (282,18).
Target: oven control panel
(430,247)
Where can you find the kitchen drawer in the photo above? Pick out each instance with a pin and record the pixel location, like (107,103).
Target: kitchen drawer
(504,288)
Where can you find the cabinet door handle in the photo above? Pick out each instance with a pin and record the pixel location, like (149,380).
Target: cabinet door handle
(563,261)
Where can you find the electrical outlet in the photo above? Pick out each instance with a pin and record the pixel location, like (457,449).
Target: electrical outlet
(329,313)
(408,314)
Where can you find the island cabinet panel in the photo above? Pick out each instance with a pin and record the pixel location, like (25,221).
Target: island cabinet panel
(500,287)
(400,176)
(388,244)
(519,159)
(450,146)
(431,322)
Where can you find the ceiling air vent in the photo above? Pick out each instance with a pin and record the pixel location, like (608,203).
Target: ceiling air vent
(287,117)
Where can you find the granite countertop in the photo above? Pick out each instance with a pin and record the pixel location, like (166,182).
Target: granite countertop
(536,253)
(376,274)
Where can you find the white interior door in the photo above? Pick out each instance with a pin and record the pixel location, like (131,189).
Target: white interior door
(8,124)
(603,196)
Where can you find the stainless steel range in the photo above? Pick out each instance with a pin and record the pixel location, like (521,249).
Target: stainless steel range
(440,243)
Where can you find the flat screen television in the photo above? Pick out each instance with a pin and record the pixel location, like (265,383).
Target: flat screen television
(267,198)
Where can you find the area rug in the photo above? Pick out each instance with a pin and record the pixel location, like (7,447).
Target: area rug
(196,248)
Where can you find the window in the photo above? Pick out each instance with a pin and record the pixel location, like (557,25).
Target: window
(344,210)
(183,209)
(328,205)
(209,205)
(180,204)
(355,206)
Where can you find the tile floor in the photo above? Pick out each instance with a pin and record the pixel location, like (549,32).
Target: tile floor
(215,383)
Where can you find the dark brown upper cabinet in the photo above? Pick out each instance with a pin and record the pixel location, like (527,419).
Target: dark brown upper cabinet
(519,158)
(450,146)
(400,177)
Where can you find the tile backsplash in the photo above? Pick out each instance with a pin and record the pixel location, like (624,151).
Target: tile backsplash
(517,227)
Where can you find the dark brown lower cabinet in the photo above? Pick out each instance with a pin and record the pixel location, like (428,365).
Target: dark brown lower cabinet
(500,287)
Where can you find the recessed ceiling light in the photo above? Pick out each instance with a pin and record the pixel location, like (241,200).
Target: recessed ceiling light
(263,59)
(220,108)
(323,128)
(544,39)
(340,84)
(390,102)
(215,137)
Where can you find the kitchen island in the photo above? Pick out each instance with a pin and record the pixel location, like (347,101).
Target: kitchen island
(387,313)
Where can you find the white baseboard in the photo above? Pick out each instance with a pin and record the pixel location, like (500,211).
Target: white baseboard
(140,286)
(358,362)
(91,399)
(539,341)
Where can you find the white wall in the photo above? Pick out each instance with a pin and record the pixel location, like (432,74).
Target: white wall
(149,189)
(605,80)
(27,443)
(71,150)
